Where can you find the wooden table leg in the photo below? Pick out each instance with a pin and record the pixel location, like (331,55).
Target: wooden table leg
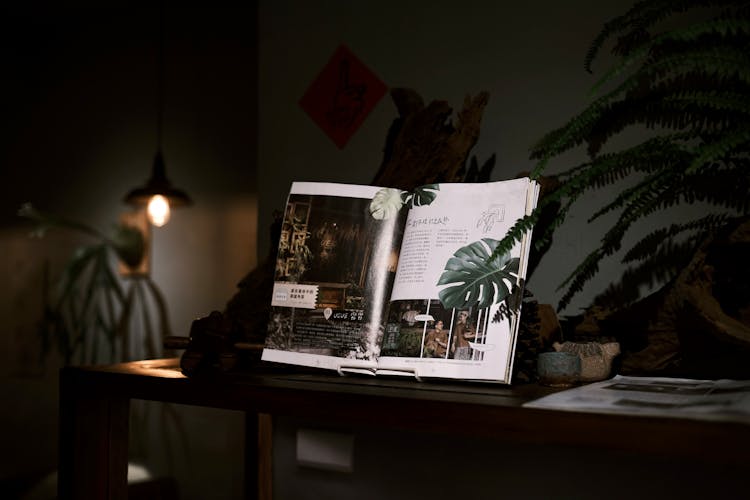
(265,457)
(258,456)
(93,453)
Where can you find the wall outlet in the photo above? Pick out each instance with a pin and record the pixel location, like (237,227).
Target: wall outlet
(325,450)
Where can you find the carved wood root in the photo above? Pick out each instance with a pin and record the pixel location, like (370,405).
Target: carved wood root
(423,145)
(697,283)
(699,324)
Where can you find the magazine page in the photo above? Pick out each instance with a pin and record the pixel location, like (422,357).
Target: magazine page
(450,313)
(335,265)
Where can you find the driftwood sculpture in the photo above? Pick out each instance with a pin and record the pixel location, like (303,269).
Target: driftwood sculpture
(696,326)
(423,146)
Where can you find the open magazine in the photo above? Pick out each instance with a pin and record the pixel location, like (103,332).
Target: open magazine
(387,282)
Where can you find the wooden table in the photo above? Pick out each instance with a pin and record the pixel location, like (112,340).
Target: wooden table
(94,413)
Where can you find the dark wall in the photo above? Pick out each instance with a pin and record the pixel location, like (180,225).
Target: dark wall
(79,130)
(79,93)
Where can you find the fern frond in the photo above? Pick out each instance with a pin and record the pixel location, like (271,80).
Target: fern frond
(516,233)
(525,224)
(689,82)
(544,145)
(663,265)
(651,200)
(691,112)
(727,188)
(540,240)
(712,152)
(659,157)
(691,86)
(651,185)
(638,19)
(722,61)
(659,196)
(611,242)
(729,63)
(576,130)
(580,275)
(650,156)
(648,246)
(570,135)
(600,172)
(714,100)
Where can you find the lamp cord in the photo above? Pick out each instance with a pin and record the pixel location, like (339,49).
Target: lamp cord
(160,79)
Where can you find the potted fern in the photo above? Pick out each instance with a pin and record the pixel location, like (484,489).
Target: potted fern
(687,89)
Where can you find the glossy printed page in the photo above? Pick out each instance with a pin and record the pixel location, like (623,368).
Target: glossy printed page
(335,265)
(449,314)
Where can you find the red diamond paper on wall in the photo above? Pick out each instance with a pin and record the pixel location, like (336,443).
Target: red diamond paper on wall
(342,96)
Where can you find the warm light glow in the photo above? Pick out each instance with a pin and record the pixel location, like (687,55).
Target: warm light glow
(158,210)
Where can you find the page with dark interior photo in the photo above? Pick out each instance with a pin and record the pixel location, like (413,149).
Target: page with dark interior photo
(335,266)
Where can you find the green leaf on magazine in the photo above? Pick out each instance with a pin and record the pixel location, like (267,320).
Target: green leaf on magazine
(472,277)
(424,195)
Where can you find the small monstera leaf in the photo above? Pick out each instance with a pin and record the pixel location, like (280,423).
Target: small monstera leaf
(386,203)
(472,278)
(423,195)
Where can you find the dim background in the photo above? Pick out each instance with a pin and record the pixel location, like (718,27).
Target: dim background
(79,130)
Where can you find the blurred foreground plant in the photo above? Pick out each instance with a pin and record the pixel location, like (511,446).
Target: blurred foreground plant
(92,314)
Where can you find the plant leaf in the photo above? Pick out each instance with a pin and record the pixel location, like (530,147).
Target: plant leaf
(386,203)
(473,277)
(424,195)
(129,244)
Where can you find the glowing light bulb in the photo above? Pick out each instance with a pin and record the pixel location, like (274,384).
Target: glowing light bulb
(158,210)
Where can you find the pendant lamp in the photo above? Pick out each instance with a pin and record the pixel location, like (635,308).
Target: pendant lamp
(158,195)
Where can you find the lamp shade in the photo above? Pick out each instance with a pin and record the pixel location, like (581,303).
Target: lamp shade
(158,184)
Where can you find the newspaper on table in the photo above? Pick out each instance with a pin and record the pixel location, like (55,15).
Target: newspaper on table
(725,400)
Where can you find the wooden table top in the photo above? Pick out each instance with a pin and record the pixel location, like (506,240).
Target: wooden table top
(356,402)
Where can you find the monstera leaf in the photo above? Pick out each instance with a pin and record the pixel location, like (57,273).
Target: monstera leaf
(421,196)
(386,203)
(472,278)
